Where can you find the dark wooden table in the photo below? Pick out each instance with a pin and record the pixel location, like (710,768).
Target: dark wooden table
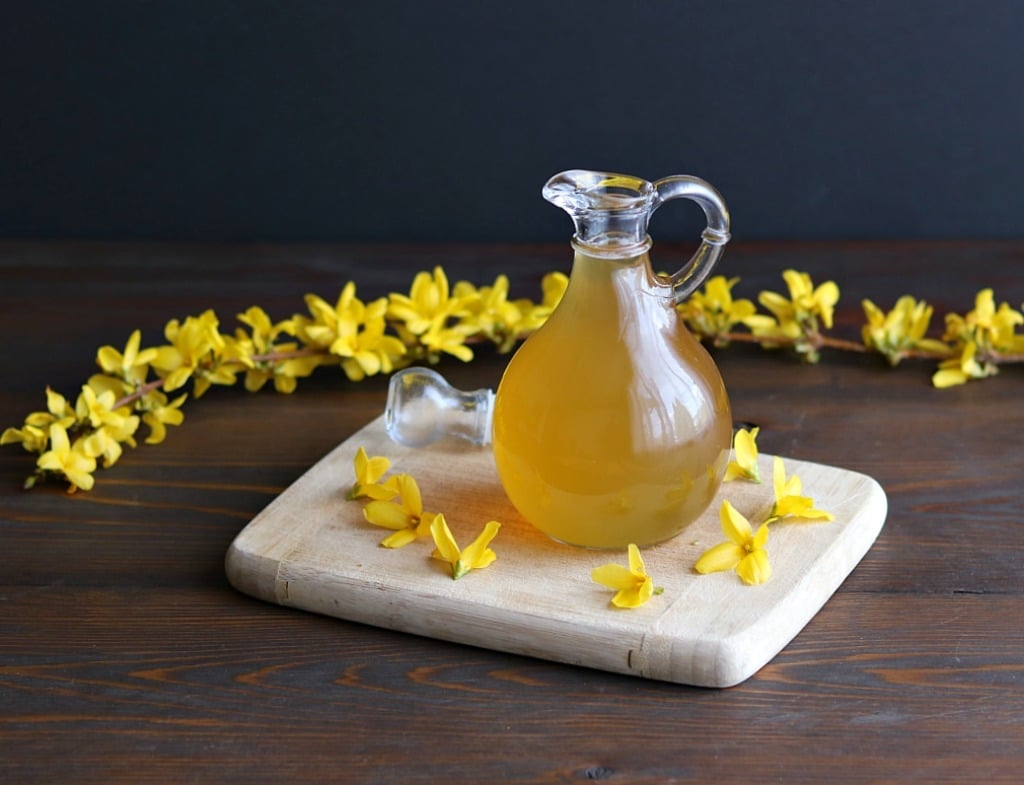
(125,656)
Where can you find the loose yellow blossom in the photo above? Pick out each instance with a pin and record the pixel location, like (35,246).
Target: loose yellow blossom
(474,556)
(712,312)
(789,503)
(69,459)
(405,516)
(744,465)
(130,366)
(743,551)
(633,586)
(369,472)
(900,331)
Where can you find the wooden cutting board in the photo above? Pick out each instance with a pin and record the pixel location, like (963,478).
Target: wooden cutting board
(312,549)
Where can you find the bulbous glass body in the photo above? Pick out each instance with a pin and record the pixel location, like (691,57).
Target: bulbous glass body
(611,423)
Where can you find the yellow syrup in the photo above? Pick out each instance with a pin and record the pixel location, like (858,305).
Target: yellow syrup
(612,424)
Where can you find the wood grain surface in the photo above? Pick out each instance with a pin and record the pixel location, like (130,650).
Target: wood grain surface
(125,655)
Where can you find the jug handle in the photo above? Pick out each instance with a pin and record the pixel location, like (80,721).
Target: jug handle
(714,237)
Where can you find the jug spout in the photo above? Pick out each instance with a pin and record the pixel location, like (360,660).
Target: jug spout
(609,211)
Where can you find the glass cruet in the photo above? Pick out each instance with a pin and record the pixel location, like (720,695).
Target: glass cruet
(611,424)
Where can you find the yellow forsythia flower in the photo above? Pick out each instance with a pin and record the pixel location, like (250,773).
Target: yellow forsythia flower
(428,303)
(712,312)
(899,331)
(979,337)
(491,313)
(963,368)
(112,427)
(553,286)
(130,366)
(744,466)
(435,318)
(633,586)
(369,472)
(474,556)
(354,331)
(34,435)
(196,351)
(788,500)
(989,327)
(265,358)
(159,413)
(406,516)
(795,320)
(743,551)
(33,438)
(451,340)
(71,460)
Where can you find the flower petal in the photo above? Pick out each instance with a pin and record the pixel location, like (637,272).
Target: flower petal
(723,556)
(384,491)
(386,514)
(370,470)
(948,377)
(636,561)
(447,548)
(614,576)
(754,568)
(629,598)
(399,539)
(745,444)
(477,555)
(79,479)
(760,537)
(412,501)
(59,439)
(734,525)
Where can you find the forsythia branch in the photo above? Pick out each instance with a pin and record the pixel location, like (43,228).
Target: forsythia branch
(71,439)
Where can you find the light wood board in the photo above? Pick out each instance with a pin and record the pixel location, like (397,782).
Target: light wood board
(312,549)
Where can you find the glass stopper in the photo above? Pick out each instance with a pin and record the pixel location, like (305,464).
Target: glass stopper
(423,408)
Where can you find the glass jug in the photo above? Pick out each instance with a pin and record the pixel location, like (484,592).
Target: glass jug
(611,423)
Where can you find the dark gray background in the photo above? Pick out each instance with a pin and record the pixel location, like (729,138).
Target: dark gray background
(440,121)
